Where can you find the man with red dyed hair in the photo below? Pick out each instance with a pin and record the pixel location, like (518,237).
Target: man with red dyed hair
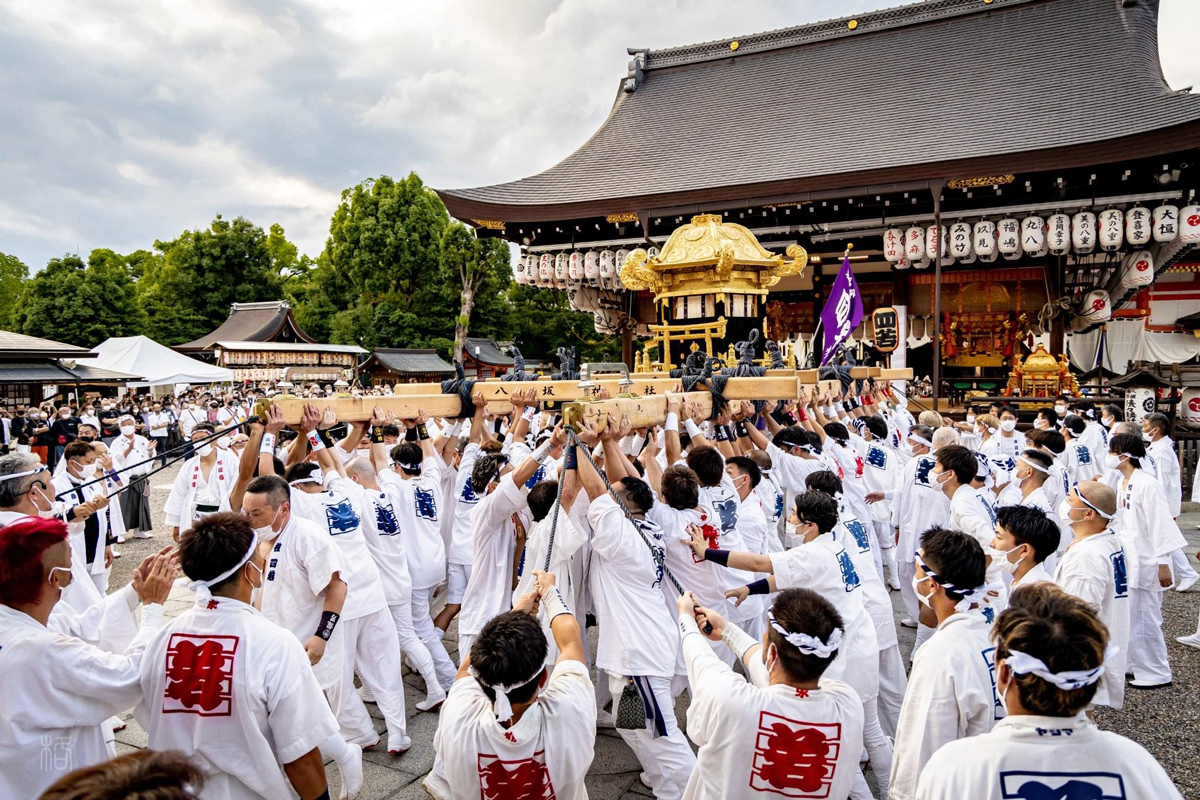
(56,691)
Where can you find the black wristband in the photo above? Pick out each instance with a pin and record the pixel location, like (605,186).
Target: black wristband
(325,438)
(324,795)
(722,433)
(376,434)
(422,432)
(740,430)
(782,418)
(410,434)
(717,556)
(329,621)
(760,586)
(571,458)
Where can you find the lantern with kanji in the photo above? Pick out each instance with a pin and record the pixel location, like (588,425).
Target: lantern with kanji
(914,244)
(608,270)
(1112,229)
(903,263)
(1033,235)
(1137,225)
(560,270)
(1009,242)
(985,240)
(960,240)
(575,266)
(1166,223)
(932,246)
(1137,270)
(619,260)
(893,244)
(1189,224)
(545,277)
(1058,234)
(1083,232)
(591,268)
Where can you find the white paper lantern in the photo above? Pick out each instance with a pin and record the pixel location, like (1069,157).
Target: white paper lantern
(903,263)
(985,240)
(519,270)
(1112,229)
(1096,307)
(1137,270)
(575,266)
(960,241)
(1166,223)
(560,270)
(969,258)
(1058,234)
(1189,224)
(1189,406)
(893,244)
(1083,232)
(619,260)
(591,268)
(651,252)
(1033,235)
(1009,241)
(931,242)
(914,244)
(545,276)
(1137,225)
(608,272)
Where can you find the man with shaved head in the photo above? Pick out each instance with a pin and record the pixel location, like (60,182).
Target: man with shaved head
(1094,568)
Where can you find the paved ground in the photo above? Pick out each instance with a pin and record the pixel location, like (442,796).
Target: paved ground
(1163,721)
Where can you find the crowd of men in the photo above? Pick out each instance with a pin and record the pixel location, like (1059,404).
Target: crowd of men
(744,557)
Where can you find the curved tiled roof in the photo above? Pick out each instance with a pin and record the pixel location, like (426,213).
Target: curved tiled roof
(936,82)
(250,322)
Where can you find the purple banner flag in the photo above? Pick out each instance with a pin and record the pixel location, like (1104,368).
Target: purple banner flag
(843,311)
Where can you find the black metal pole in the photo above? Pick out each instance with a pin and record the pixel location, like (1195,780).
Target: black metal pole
(936,188)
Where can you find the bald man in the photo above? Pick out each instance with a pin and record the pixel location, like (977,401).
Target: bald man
(1093,568)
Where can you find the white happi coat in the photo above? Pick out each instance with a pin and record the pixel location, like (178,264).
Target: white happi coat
(882,471)
(381,531)
(235,693)
(1045,757)
(824,566)
(919,504)
(140,453)
(851,468)
(461,549)
(1081,466)
(1146,528)
(546,753)
(951,695)
(767,741)
(65,485)
(192,489)
(1166,468)
(1001,446)
(418,504)
(489,590)
(851,534)
(570,539)
(56,692)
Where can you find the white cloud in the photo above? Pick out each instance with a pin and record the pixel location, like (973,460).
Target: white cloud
(130,120)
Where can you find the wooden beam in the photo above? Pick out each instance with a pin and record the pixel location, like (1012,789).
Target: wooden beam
(357,409)
(641,411)
(768,387)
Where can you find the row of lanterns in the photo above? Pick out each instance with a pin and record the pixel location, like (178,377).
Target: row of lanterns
(599,269)
(1012,238)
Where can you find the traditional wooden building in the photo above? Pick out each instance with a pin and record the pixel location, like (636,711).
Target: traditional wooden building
(1009,172)
(395,365)
(483,358)
(33,370)
(262,342)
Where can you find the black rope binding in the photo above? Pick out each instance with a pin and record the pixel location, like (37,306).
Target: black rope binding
(567,366)
(462,387)
(518,373)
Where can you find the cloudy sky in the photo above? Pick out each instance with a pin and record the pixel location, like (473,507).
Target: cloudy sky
(130,120)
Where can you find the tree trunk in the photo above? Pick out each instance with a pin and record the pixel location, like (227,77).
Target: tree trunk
(464,319)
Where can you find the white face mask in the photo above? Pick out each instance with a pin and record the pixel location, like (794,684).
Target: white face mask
(790,530)
(127,430)
(1060,410)
(1008,425)
(925,600)
(223,442)
(267,532)
(970,419)
(1001,557)
(1106,421)
(204,449)
(1041,424)
(1112,461)
(1064,513)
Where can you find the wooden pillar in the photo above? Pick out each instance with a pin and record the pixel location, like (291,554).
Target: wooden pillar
(627,348)
(937,295)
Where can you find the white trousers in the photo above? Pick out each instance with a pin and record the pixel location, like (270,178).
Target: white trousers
(1147,648)
(101,579)
(908,571)
(923,634)
(428,633)
(879,753)
(373,649)
(893,682)
(668,760)
(412,646)
(1180,567)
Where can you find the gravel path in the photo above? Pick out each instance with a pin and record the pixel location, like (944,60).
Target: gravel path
(1164,721)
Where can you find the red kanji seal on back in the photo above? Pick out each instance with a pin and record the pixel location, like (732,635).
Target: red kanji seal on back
(200,675)
(519,779)
(794,758)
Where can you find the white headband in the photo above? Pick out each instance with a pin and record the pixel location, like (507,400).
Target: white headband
(201,588)
(1088,503)
(1031,465)
(1069,680)
(309,479)
(24,474)
(502,707)
(920,440)
(810,645)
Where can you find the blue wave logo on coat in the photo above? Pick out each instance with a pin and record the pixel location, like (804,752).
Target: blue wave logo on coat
(425,505)
(341,518)
(987,507)
(924,470)
(859,533)
(1120,574)
(849,574)
(658,552)
(1082,454)
(385,520)
(1029,785)
(468,495)
(778,505)
(877,457)
(727,511)
(536,478)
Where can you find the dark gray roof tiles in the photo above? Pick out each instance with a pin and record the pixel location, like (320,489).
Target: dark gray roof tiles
(933,82)
(249,322)
(414,362)
(488,353)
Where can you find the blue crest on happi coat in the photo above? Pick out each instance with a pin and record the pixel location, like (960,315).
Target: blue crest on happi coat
(425,506)
(385,519)
(849,574)
(727,511)
(341,518)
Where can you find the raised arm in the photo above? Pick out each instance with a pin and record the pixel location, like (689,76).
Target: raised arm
(327,460)
(563,624)
(247,462)
(593,484)
(751,562)
(649,459)
(616,466)
(671,444)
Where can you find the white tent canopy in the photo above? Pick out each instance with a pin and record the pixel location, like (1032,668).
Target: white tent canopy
(157,364)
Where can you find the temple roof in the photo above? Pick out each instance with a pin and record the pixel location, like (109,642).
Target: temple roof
(944,88)
(250,322)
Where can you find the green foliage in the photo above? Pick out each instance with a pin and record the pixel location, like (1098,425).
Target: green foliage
(13,274)
(541,321)
(81,304)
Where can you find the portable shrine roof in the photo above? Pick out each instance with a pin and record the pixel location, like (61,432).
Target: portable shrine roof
(252,322)
(939,89)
